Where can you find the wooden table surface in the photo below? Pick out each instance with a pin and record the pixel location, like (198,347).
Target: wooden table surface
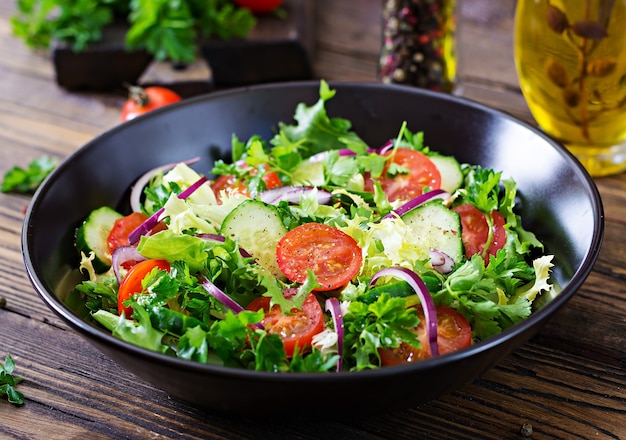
(567,382)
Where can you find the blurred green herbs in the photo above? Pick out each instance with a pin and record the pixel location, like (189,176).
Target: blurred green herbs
(168,29)
(27,180)
(8,382)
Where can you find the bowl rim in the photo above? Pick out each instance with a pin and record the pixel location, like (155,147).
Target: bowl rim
(538,317)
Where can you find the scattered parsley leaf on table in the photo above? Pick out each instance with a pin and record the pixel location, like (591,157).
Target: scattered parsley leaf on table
(21,180)
(8,382)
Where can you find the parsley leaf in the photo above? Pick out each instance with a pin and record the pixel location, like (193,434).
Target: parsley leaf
(8,382)
(317,131)
(384,323)
(20,180)
(482,188)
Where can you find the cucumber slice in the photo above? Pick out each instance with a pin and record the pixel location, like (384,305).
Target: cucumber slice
(92,235)
(438,227)
(258,228)
(308,173)
(450,170)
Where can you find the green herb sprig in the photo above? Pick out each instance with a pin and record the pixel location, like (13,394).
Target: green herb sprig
(8,382)
(27,180)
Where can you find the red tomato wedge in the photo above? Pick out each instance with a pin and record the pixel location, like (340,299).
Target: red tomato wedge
(295,329)
(453,333)
(333,256)
(475,231)
(124,226)
(422,172)
(131,284)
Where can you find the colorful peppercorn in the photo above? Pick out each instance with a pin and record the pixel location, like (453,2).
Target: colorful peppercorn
(418,44)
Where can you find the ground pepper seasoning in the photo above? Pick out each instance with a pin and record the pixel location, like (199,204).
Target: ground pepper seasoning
(419,44)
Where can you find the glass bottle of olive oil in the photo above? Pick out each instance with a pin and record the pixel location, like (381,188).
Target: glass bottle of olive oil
(570,57)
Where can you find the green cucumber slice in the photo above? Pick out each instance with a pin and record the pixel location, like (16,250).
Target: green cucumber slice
(438,228)
(258,228)
(450,170)
(92,235)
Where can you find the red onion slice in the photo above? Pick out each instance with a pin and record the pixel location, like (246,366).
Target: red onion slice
(440,261)
(385,147)
(321,156)
(219,295)
(428,306)
(417,201)
(124,254)
(222,239)
(332,305)
(153,220)
(140,184)
(292,194)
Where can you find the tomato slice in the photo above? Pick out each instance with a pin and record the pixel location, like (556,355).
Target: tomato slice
(232,183)
(422,172)
(295,329)
(131,284)
(453,333)
(475,231)
(333,256)
(123,226)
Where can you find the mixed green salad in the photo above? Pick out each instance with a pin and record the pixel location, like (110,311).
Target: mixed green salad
(313,252)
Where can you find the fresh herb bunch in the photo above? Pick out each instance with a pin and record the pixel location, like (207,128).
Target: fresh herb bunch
(27,180)
(169,30)
(8,382)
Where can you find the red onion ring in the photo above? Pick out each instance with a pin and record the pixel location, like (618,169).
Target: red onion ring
(321,156)
(332,305)
(219,295)
(385,147)
(140,184)
(124,254)
(153,220)
(417,201)
(292,194)
(440,261)
(222,239)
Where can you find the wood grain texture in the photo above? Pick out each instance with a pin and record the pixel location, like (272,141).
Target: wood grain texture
(567,382)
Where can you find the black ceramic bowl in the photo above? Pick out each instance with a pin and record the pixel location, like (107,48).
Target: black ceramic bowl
(558,201)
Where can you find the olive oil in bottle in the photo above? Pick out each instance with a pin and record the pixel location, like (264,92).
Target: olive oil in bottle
(570,57)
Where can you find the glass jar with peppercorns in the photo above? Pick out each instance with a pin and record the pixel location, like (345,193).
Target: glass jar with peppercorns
(418,46)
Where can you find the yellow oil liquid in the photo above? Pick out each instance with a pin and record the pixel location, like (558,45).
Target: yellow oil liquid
(570,57)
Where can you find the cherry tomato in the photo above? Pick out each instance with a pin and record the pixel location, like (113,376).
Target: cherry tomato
(296,328)
(142,100)
(123,226)
(232,183)
(259,6)
(405,186)
(453,333)
(333,256)
(131,284)
(475,231)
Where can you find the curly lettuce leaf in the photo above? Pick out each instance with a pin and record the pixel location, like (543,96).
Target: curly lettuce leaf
(316,131)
